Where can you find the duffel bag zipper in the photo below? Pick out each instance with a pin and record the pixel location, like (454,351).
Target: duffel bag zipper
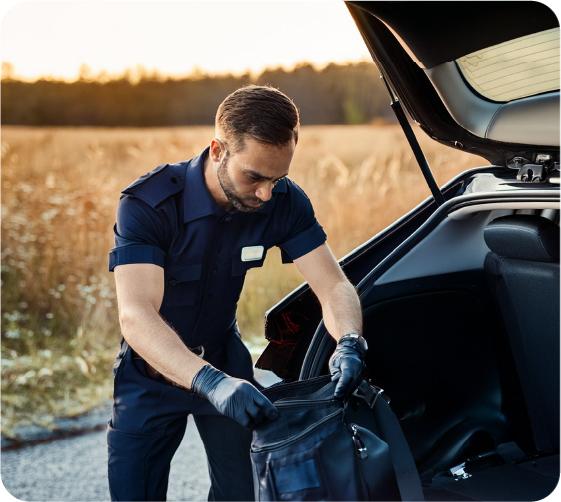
(303,402)
(298,437)
(361,450)
(312,382)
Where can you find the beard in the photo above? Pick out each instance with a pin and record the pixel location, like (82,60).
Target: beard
(232,195)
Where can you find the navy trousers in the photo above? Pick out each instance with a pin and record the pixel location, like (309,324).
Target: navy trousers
(149,420)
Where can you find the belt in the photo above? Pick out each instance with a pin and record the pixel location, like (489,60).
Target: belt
(199,351)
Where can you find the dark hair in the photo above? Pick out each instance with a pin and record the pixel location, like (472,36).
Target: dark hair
(261,112)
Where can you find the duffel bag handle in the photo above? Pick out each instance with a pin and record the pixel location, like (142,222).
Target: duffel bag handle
(408,480)
(369,393)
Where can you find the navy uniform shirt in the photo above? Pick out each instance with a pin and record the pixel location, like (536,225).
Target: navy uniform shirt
(168,217)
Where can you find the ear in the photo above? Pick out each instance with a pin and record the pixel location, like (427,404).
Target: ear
(216,150)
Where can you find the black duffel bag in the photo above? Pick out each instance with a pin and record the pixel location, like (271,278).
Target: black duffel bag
(320,448)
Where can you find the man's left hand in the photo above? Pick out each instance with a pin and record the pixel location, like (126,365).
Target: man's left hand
(346,365)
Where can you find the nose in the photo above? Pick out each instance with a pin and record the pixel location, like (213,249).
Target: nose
(265,191)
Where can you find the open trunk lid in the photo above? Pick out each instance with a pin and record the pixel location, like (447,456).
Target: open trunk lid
(424,51)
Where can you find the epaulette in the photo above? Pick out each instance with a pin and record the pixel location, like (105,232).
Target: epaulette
(157,185)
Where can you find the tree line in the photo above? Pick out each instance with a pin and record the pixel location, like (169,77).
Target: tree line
(336,94)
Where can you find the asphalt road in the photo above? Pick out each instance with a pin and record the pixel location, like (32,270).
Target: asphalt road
(75,469)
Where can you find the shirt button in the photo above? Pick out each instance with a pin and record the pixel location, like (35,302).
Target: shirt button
(227,218)
(173,282)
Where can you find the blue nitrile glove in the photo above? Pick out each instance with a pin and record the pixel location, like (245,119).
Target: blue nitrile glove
(233,397)
(346,364)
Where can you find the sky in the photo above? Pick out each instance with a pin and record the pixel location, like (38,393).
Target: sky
(43,38)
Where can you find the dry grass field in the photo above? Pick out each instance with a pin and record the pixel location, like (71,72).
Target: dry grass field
(60,189)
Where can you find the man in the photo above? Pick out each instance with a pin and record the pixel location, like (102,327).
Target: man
(185,236)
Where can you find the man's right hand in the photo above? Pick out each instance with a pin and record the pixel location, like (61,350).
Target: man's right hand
(233,397)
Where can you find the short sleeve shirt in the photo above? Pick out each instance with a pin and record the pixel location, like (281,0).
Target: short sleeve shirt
(205,251)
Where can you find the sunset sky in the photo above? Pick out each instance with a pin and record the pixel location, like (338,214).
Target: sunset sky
(54,38)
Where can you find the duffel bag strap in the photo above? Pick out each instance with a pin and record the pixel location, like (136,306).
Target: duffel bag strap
(408,480)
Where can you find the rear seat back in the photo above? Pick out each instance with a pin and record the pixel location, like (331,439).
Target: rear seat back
(523,267)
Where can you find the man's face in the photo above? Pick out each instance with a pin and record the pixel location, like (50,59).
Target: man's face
(247,177)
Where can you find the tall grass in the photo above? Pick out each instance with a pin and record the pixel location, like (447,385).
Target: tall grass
(60,189)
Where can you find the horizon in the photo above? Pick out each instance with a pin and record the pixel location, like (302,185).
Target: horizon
(134,73)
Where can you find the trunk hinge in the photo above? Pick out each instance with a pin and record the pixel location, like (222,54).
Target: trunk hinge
(536,171)
(410,135)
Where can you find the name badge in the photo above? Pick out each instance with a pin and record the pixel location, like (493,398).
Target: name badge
(252,253)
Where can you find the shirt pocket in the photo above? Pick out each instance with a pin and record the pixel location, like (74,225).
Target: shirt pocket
(183,284)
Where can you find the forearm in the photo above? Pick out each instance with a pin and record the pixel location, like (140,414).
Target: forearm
(160,346)
(342,312)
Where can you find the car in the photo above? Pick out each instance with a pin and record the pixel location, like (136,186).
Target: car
(460,296)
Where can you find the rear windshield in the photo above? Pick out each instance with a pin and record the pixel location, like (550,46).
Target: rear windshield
(515,69)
